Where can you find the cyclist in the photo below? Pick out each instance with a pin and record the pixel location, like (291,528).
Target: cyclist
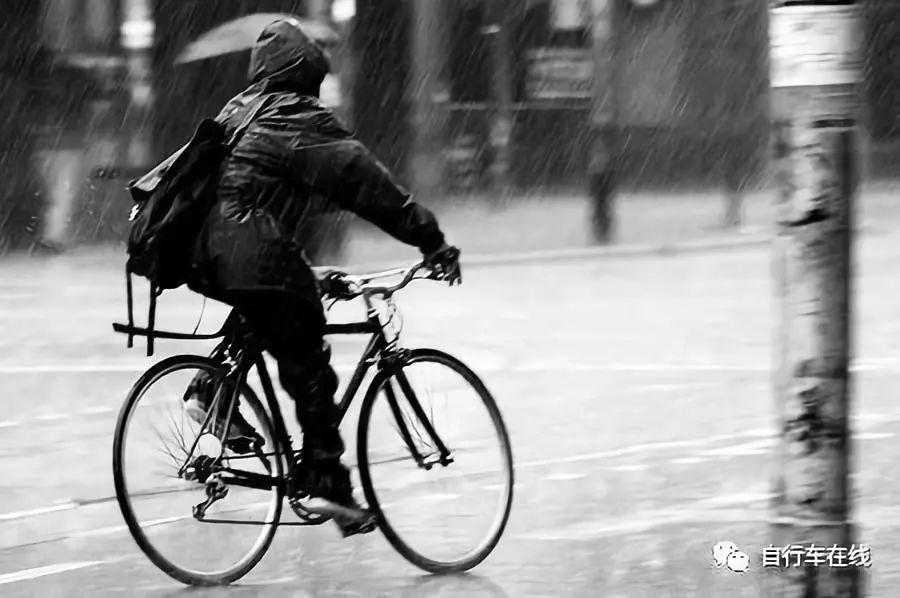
(294,162)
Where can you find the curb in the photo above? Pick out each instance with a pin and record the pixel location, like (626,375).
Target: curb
(631,250)
(636,250)
(623,251)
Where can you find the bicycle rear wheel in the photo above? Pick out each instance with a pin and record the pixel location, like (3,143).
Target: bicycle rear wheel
(446,510)
(165,464)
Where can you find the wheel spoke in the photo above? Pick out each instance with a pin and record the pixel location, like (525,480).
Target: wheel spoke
(152,444)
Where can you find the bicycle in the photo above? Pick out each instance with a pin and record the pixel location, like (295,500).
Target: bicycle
(209,463)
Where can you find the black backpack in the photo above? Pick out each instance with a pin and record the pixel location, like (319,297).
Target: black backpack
(172,202)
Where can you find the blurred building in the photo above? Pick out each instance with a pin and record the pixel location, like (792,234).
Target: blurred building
(60,64)
(429,84)
(20,200)
(883,33)
(689,83)
(93,98)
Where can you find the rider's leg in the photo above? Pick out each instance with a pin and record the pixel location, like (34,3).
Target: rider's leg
(292,329)
(308,377)
(200,396)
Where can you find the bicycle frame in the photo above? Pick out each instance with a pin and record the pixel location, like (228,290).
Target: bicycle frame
(377,343)
(378,350)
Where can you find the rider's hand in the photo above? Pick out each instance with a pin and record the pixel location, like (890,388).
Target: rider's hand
(444,262)
(334,284)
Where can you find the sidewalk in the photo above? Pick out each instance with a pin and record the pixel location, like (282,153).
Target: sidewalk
(646,223)
(558,221)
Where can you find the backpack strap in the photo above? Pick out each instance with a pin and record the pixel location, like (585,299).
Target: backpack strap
(130,298)
(155,292)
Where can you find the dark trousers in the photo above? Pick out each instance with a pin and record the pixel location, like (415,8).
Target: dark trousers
(291,328)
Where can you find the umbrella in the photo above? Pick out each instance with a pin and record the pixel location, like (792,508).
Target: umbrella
(241,34)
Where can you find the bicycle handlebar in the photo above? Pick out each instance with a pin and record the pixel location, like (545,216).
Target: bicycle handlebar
(362,284)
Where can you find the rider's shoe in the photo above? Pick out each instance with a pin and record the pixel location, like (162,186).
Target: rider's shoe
(242,438)
(327,485)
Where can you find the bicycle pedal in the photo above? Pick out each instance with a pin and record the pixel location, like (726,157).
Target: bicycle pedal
(305,515)
(354,529)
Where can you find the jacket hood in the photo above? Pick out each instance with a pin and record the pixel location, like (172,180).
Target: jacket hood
(285,56)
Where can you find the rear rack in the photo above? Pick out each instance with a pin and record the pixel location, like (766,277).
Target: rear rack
(151,333)
(185,336)
(336,328)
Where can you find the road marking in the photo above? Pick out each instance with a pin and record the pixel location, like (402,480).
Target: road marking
(534,367)
(544,366)
(37,572)
(687,461)
(75,368)
(99,531)
(270,582)
(760,432)
(740,508)
(96,410)
(873,435)
(438,497)
(564,477)
(766,439)
(10,424)
(631,450)
(738,498)
(755,447)
(116,529)
(695,511)
(517,487)
(49,417)
(238,585)
(66,506)
(667,387)
(630,467)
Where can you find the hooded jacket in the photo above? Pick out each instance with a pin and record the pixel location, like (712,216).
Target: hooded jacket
(294,163)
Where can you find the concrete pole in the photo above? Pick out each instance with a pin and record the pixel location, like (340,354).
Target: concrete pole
(332,90)
(345,11)
(101,208)
(137,35)
(603,160)
(816,71)
(319,10)
(58,156)
(498,28)
(426,89)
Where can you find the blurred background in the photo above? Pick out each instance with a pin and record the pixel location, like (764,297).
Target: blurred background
(476,105)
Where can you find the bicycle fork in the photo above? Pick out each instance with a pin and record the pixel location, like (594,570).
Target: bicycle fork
(443,456)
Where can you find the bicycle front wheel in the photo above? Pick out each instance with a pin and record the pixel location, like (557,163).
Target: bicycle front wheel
(435,462)
(166,464)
